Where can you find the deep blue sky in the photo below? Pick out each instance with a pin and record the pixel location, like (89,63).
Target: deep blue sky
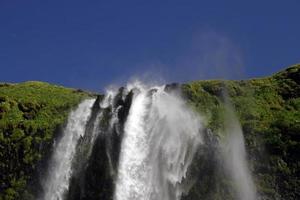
(91,44)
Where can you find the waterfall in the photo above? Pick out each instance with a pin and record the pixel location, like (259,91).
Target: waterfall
(161,136)
(143,142)
(234,154)
(57,181)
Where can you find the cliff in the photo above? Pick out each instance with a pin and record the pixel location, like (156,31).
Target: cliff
(269,112)
(32,114)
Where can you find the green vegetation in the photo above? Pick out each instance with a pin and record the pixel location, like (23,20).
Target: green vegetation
(268,108)
(269,112)
(30,114)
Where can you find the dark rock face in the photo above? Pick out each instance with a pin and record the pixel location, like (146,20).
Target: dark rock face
(172,87)
(95,181)
(94,175)
(77,183)
(205,172)
(116,136)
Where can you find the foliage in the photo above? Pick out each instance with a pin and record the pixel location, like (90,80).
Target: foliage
(269,112)
(30,113)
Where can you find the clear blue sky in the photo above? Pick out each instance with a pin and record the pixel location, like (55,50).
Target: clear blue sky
(91,44)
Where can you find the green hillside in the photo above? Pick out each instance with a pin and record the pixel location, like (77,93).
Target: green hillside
(269,112)
(30,114)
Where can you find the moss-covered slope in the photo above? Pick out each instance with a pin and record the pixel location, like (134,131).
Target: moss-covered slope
(268,109)
(269,112)
(30,114)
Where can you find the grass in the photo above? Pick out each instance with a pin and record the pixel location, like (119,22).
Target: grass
(269,112)
(268,109)
(30,113)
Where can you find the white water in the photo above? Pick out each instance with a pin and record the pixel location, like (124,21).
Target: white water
(161,136)
(234,154)
(57,181)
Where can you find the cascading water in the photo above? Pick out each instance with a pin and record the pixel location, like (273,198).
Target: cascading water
(234,154)
(161,136)
(142,143)
(59,172)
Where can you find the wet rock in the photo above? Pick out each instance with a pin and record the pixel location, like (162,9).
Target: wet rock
(172,87)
